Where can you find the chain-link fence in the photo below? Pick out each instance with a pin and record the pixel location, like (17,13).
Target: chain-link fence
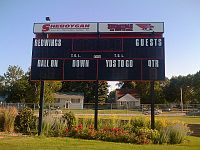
(109,108)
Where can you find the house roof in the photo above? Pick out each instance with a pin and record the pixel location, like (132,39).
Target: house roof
(65,94)
(121,92)
(127,98)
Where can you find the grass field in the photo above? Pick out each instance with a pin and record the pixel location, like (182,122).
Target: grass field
(185,119)
(105,111)
(42,143)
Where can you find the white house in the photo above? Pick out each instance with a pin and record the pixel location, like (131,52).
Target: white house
(69,100)
(128,101)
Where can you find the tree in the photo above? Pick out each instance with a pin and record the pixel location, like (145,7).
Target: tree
(144,90)
(21,89)
(111,97)
(102,91)
(128,85)
(195,88)
(13,74)
(2,85)
(189,85)
(49,89)
(88,88)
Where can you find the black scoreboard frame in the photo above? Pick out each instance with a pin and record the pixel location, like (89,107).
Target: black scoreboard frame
(111,56)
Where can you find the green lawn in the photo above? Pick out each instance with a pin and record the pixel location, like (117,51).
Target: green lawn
(42,143)
(106,111)
(185,119)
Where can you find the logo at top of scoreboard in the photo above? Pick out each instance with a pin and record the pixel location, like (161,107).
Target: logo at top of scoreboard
(129,27)
(77,27)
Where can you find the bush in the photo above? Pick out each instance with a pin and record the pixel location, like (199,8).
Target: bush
(8,118)
(164,135)
(128,131)
(177,134)
(102,123)
(109,134)
(70,119)
(173,134)
(140,122)
(25,121)
(1,120)
(105,134)
(88,122)
(155,136)
(161,123)
(54,127)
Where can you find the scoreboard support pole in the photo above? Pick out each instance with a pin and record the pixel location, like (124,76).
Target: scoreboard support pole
(41,108)
(152,105)
(96,106)
(96,97)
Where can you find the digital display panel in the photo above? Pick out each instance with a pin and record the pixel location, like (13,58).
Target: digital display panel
(111,59)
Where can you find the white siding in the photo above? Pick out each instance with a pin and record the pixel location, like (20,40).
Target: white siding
(73,101)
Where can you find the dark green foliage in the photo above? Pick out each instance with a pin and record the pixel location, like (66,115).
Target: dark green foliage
(25,121)
(16,85)
(69,119)
(88,89)
(111,97)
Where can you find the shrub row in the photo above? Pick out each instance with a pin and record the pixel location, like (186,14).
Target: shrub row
(135,130)
(111,135)
(23,121)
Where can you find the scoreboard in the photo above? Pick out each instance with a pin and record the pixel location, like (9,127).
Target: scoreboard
(107,51)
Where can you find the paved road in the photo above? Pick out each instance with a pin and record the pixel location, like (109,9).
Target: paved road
(163,114)
(127,115)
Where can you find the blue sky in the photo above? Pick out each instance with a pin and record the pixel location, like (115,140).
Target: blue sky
(181,18)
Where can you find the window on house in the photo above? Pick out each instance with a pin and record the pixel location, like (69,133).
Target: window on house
(121,103)
(57,100)
(75,100)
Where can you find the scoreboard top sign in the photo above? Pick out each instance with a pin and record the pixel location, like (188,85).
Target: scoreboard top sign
(103,27)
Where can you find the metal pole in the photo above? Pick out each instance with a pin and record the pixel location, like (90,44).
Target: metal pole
(96,106)
(96,87)
(181,99)
(41,108)
(152,106)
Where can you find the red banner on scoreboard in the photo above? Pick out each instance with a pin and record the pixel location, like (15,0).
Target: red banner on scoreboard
(131,27)
(64,27)
(83,27)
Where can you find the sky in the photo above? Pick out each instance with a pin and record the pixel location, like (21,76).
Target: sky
(181,24)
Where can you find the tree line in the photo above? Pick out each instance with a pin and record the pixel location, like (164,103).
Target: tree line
(16,86)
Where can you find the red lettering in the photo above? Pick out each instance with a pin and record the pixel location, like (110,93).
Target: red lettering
(53,26)
(73,25)
(120,27)
(67,26)
(62,25)
(45,27)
